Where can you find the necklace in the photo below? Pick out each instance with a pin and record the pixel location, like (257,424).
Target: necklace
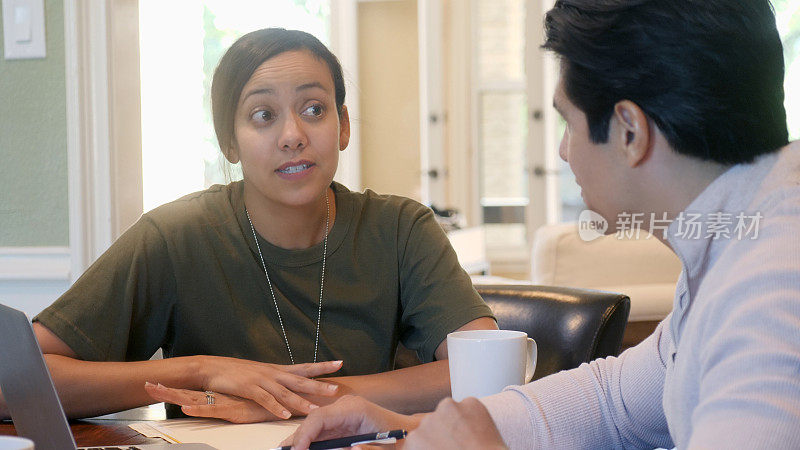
(321,278)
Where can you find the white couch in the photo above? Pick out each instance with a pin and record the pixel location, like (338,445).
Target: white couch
(644,269)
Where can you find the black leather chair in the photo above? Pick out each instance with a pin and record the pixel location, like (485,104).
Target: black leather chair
(570,325)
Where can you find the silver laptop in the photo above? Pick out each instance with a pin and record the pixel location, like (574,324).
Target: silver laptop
(30,395)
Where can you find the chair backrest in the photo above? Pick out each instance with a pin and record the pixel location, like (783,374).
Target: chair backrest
(570,325)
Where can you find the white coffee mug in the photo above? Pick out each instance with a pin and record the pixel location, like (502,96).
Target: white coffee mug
(15,443)
(483,362)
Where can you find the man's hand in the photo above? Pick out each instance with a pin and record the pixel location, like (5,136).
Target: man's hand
(458,426)
(347,416)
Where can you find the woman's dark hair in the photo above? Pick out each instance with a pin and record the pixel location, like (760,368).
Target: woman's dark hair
(243,58)
(709,73)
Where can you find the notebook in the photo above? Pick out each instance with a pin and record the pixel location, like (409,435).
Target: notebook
(31,396)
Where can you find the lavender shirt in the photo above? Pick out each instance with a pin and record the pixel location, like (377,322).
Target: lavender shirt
(723,369)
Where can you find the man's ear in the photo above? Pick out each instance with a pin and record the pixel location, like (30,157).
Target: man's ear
(633,130)
(344,128)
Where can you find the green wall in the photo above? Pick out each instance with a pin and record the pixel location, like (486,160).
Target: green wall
(33,143)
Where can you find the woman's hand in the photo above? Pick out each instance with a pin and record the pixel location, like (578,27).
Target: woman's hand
(273,387)
(195,403)
(347,416)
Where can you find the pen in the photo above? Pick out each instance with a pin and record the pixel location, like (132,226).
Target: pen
(383,437)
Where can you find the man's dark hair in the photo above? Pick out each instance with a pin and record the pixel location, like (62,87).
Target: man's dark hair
(243,58)
(709,73)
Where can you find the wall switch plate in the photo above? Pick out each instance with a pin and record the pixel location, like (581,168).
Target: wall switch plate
(23,29)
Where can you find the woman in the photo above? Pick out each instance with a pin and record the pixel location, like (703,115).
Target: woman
(254,288)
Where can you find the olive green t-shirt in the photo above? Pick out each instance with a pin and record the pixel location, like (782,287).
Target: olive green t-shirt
(187,278)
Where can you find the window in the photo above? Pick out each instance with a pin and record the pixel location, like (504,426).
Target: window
(180,45)
(522,181)
(501,116)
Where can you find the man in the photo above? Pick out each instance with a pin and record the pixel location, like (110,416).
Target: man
(674,112)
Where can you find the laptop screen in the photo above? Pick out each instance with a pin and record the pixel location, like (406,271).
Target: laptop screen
(26,385)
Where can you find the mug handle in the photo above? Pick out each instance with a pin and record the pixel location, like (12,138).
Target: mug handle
(530,367)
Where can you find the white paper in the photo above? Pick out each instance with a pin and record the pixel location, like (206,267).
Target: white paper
(220,434)
(145,429)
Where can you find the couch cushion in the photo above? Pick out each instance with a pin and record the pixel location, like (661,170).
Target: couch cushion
(644,269)
(562,258)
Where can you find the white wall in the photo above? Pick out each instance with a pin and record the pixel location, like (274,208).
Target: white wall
(389,97)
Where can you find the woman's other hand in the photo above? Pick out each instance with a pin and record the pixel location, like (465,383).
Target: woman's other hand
(275,388)
(349,415)
(195,403)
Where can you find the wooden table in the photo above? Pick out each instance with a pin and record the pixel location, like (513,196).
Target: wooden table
(106,430)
